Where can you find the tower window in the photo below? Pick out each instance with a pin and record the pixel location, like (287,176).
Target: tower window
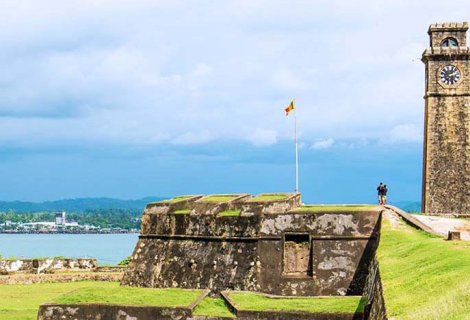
(449,42)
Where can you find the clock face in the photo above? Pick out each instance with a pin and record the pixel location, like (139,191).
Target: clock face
(450,75)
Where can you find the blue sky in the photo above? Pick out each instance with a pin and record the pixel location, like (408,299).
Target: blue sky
(134,98)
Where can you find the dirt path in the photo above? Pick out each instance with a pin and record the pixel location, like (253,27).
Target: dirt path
(391,216)
(443,225)
(438,225)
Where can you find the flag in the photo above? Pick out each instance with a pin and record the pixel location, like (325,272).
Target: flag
(289,108)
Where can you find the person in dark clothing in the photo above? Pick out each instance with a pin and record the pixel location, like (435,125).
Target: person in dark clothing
(379,192)
(384,194)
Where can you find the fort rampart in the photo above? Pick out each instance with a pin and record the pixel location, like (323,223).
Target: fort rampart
(271,246)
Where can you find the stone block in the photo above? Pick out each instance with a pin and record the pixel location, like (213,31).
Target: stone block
(453,235)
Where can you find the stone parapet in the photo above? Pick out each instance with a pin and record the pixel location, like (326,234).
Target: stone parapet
(446,53)
(45,265)
(448,26)
(61,277)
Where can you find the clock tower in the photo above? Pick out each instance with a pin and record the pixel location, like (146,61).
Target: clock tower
(446,157)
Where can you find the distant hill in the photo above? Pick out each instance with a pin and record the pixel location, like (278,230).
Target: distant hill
(84,204)
(77,205)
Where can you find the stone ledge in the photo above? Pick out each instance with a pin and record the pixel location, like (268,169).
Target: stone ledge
(70,277)
(412,220)
(255,238)
(108,311)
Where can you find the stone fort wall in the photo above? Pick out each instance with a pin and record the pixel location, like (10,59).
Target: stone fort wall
(270,247)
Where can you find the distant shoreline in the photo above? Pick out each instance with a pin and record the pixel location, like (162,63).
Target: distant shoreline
(71,232)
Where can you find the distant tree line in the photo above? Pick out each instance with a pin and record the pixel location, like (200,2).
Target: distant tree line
(104,218)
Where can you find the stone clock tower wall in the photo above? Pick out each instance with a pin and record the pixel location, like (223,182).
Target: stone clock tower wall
(446,165)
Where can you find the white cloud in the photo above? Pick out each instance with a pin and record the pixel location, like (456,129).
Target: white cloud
(262,137)
(156,71)
(193,138)
(405,133)
(289,80)
(202,69)
(320,144)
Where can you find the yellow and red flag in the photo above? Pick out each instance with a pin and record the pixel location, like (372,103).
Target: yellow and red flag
(289,108)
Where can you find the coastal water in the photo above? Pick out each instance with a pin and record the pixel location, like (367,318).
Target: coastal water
(107,248)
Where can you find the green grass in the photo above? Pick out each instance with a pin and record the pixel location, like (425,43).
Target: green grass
(178,198)
(219,198)
(21,302)
(184,211)
(423,276)
(269,197)
(229,213)
(171,297)
(251,301)
(13,258)
(333,208)
(213,307)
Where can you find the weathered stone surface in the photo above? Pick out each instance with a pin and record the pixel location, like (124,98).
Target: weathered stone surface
(284,253)
(111,312)
(373,294)
(193,264)
(106,311)
(45,265)
(446,159)
(453,235)
(297,256)
(23,278)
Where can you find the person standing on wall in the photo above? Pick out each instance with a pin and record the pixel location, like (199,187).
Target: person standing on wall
(379,192)
(384,195)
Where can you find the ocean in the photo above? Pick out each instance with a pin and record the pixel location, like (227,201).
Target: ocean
(106,248)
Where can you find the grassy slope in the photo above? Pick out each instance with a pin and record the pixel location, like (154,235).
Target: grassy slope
(257,302)
(132,296)
(424,277)
(21,302)
(213,307)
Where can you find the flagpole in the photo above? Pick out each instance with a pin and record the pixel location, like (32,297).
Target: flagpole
(296,154)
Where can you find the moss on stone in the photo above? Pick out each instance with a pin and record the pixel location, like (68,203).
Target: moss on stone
(269,197)
(251,301)
(178,198)
(229,213)
(183,211)
(219,198)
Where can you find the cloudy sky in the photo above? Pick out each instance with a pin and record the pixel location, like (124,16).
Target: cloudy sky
(134,98)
